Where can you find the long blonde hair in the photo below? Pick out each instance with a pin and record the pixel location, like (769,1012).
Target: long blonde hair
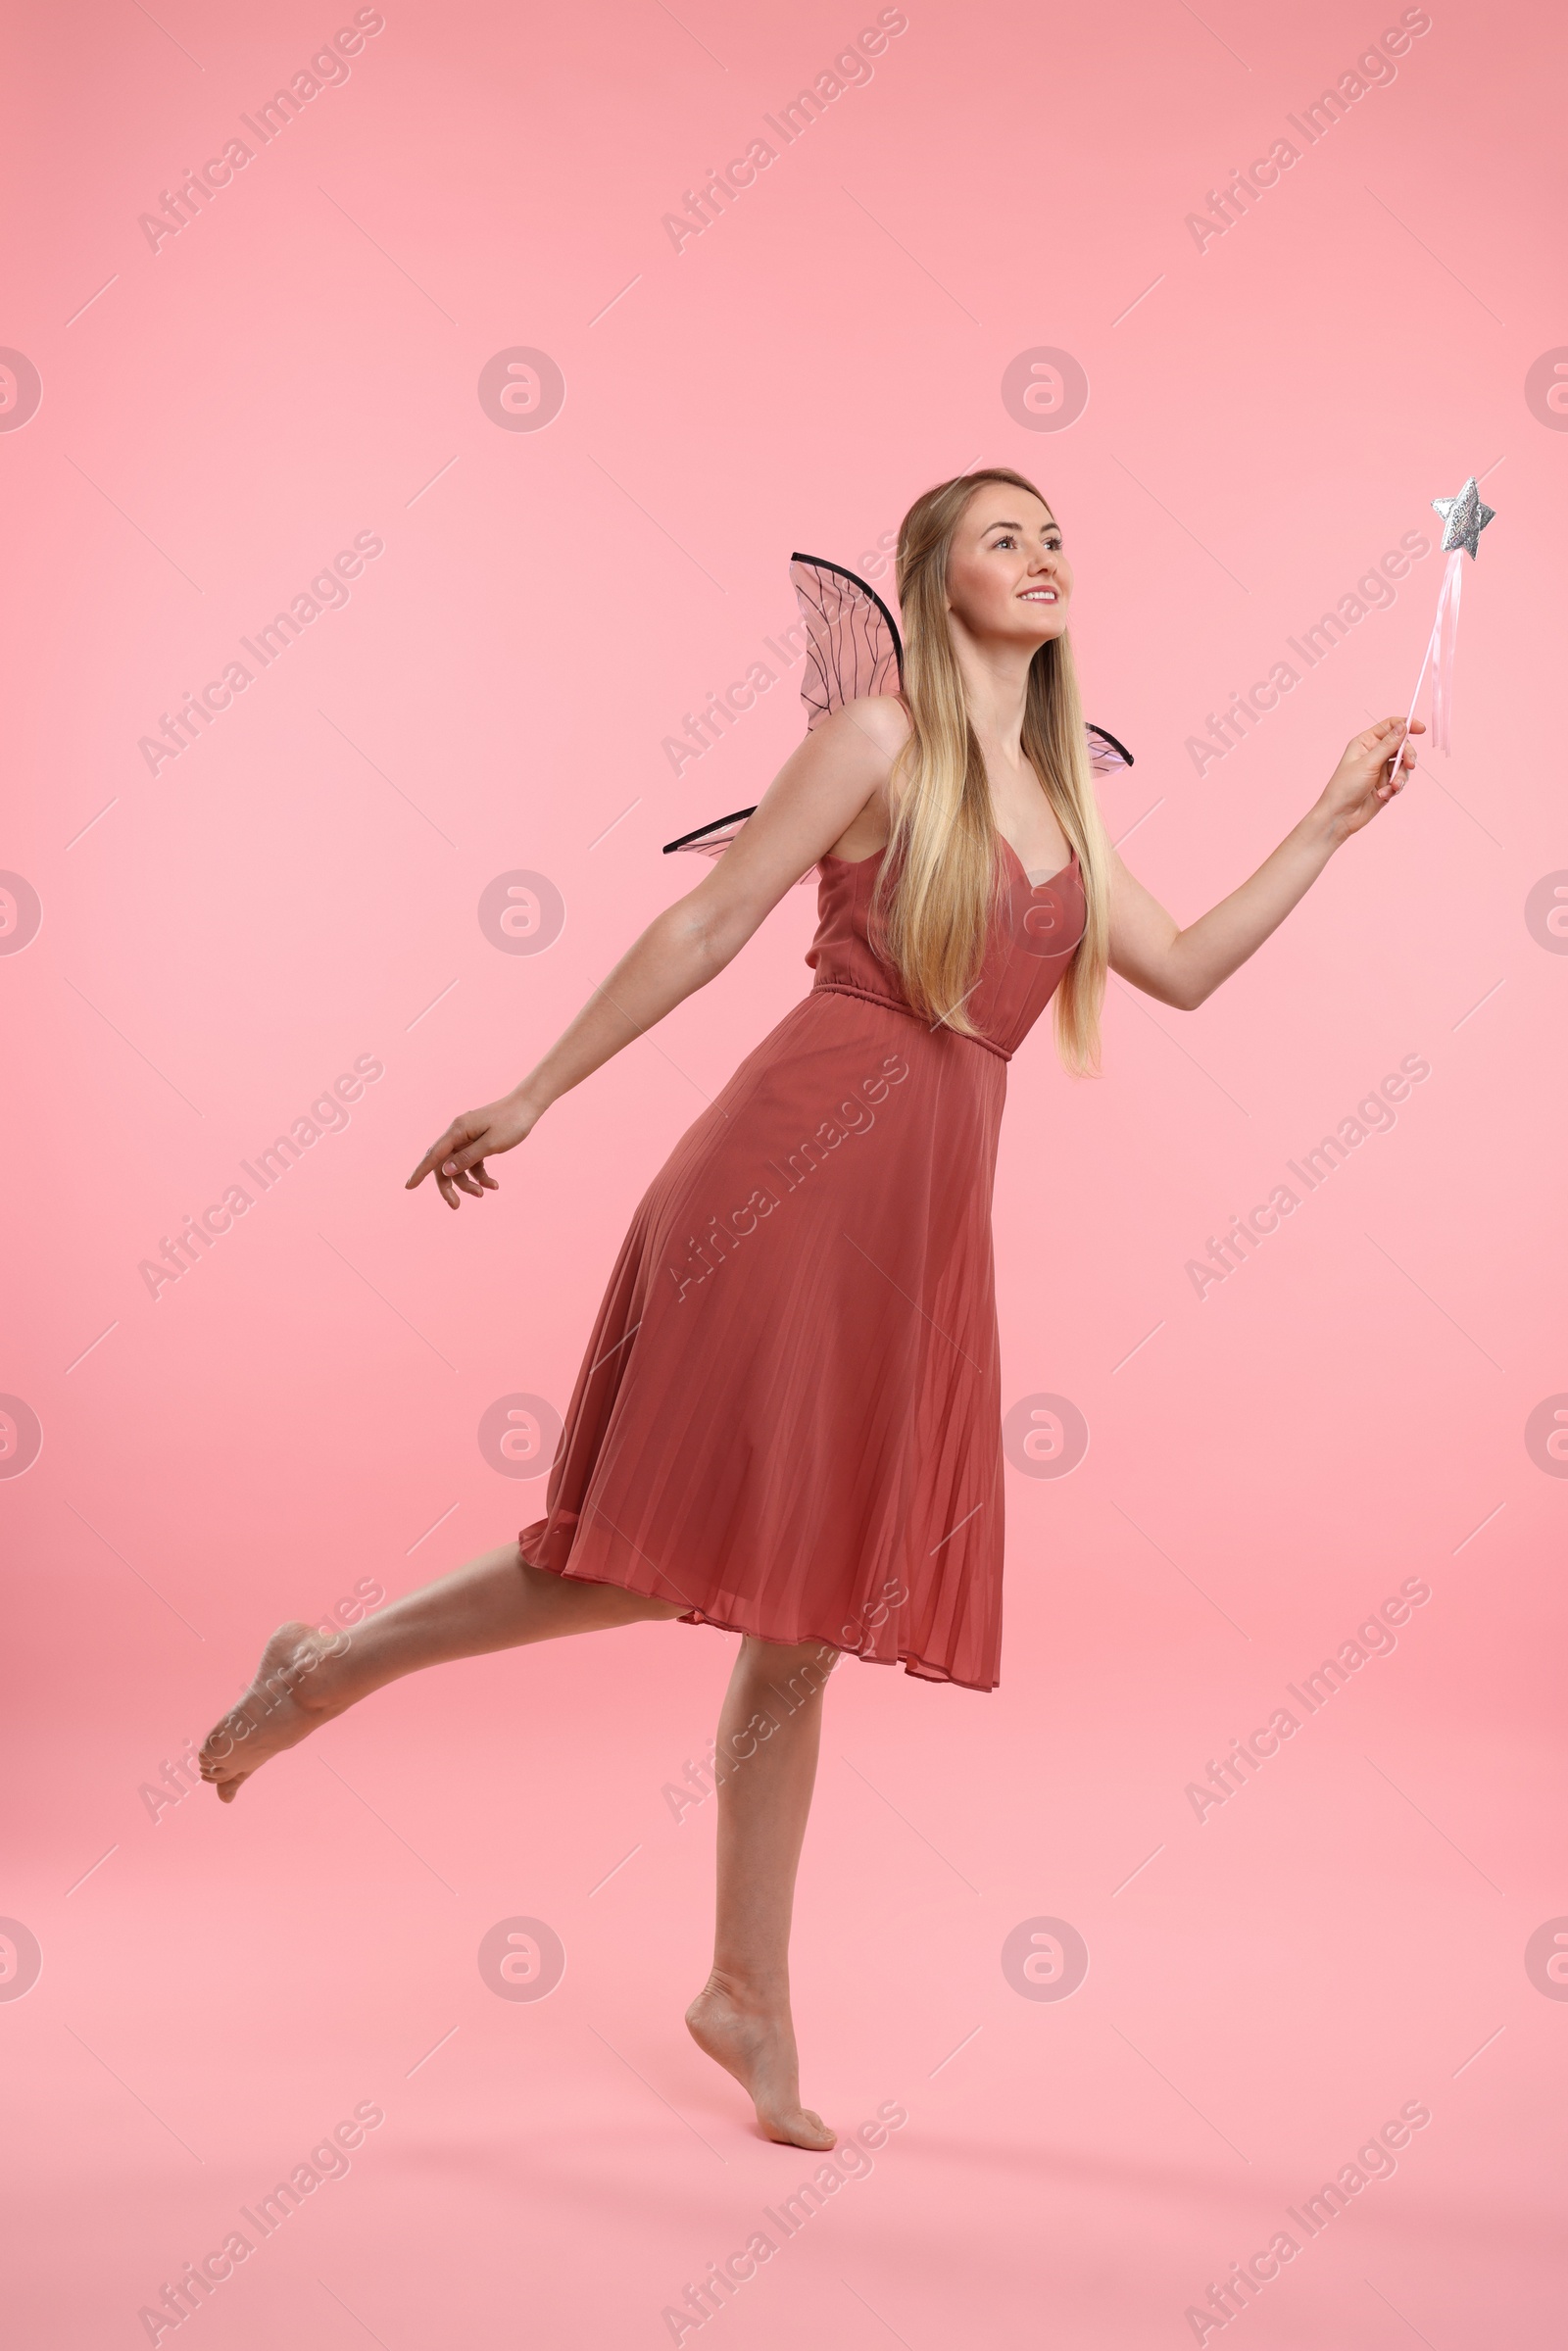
(936,887)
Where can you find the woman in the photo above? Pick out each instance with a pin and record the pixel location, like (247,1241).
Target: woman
(787,1419)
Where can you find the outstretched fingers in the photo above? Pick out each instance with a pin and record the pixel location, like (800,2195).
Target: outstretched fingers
(457,1162)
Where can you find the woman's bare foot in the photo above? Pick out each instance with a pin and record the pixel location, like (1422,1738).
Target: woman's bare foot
(297,1686)
(756,2044)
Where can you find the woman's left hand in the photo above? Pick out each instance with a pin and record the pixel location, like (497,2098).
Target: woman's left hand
(1365,779)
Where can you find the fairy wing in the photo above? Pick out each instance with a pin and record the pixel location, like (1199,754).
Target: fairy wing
(711,840)
(852,645)
(853,649)
(1106,757)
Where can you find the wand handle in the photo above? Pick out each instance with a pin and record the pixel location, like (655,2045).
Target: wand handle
(1439,657)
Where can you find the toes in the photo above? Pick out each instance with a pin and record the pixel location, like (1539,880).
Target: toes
(802,2129)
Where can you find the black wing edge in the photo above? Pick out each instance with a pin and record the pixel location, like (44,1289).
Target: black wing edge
(822,565)
(715,824)
(739,815)
(1106,736)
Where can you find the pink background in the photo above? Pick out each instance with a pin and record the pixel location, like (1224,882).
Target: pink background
(299,1411)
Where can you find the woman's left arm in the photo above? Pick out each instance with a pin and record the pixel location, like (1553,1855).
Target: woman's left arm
(1182,967)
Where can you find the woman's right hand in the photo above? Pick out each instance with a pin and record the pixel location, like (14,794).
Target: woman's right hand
(458,1160)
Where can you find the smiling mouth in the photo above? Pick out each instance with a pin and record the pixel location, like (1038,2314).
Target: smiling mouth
(1040,595)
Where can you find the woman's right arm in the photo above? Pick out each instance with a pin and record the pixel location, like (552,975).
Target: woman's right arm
(809,804)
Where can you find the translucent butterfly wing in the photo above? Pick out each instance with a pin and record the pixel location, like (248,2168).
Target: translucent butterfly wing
(711,840)
(853,648)
(1106,757)
(852,645)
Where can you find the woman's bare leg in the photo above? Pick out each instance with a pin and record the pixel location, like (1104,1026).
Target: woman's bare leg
(496,1602)
(768,1736)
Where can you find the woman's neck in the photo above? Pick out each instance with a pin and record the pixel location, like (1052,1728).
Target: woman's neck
(995,685)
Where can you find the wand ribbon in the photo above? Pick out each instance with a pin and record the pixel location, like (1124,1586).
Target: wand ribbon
(1464,517)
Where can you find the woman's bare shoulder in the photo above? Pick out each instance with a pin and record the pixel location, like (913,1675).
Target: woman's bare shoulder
(882,717)
(885,715)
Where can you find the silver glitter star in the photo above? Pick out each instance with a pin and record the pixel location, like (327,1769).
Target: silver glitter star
(1464,517)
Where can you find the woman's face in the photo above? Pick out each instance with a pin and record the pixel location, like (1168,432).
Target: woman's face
(1008,577)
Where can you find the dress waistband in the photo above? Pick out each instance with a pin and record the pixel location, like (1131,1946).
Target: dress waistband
(893,1004)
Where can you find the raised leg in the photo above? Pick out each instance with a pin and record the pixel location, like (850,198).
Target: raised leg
(497,1601)
(768,1735)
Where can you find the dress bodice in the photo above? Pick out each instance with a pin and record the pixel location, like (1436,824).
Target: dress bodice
(1034,933)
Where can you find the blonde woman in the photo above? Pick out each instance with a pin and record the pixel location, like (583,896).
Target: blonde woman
(787,1420)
